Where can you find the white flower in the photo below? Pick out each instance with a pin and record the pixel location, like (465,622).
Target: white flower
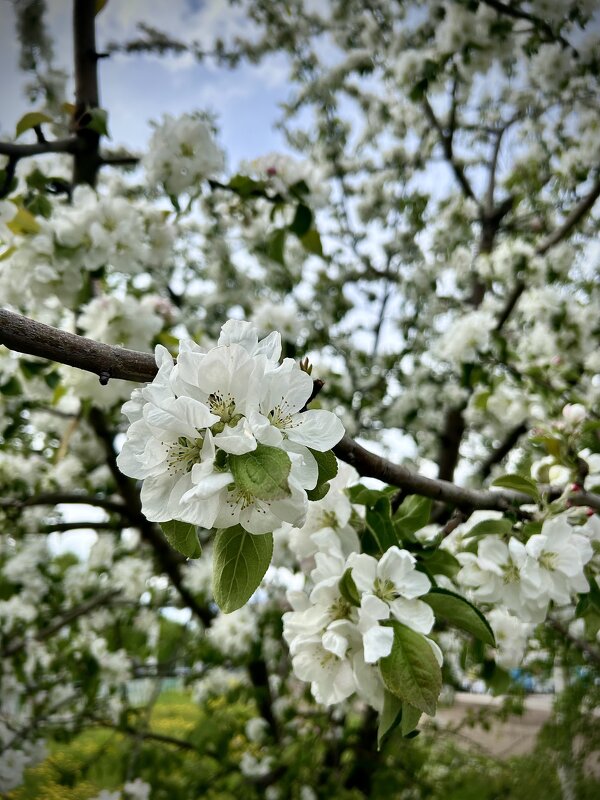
(557,557)
(497,574)
(574,413)
(285,391)
(191,427)
(511,637)
(317,661)
(395,580)
(181,153)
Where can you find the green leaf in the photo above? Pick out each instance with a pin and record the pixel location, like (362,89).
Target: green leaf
(183,537)
(439,562)
(96,119)
(328,467)
(390,717)
(363,496)
(240,560)
(518,484)
(459,612)
(411,671)
(327,464)
(319,492)
(348,588)
(311,242)
(490,526)
(380,526)
(276,245)
(302,220)
(262,473)
(412,515)
(23,222)
(410,719)
(245,186)
(31,120)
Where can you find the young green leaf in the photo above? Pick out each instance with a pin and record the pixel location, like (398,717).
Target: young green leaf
(302,220)
(182,537)
(240,560)
(411,671)
(348,588)
(412,515)
(380,526)
(31,120)
(311,242)
(459,612)
(410,718)
(262,473)
(327,464)
(390,717)
(518,484)
(490,526)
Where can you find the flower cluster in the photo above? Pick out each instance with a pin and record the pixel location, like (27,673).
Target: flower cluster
(334,631)
(525,577)
(220,438)
(182,152)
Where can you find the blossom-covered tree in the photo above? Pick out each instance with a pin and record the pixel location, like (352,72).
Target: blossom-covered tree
(335,413)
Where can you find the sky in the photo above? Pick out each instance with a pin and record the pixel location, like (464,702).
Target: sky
(138,88)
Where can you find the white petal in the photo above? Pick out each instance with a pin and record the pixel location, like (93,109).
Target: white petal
(414,614)
(318,429)
(236,440)
(377,643)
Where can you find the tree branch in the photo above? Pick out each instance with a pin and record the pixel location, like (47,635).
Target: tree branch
(56,498)
(17,151)
(579,644)
(446,142)
(570,222)
(68,616)
(538,22)
(150,735)
(68,348)
(36,339)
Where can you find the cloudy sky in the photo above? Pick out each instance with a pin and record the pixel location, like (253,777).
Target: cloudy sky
(137,88)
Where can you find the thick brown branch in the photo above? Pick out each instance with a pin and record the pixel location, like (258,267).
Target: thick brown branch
(373,466)
(77,351)
(14,150)
(36,339)
(87,159)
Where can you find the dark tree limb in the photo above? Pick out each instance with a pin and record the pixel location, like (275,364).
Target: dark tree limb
(57,498)
(66,618)
(68,348)
(36,339)
(18,151)
(447,146)
(539,23)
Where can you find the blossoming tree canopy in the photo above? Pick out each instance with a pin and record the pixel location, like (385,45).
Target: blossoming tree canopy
(334,415)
